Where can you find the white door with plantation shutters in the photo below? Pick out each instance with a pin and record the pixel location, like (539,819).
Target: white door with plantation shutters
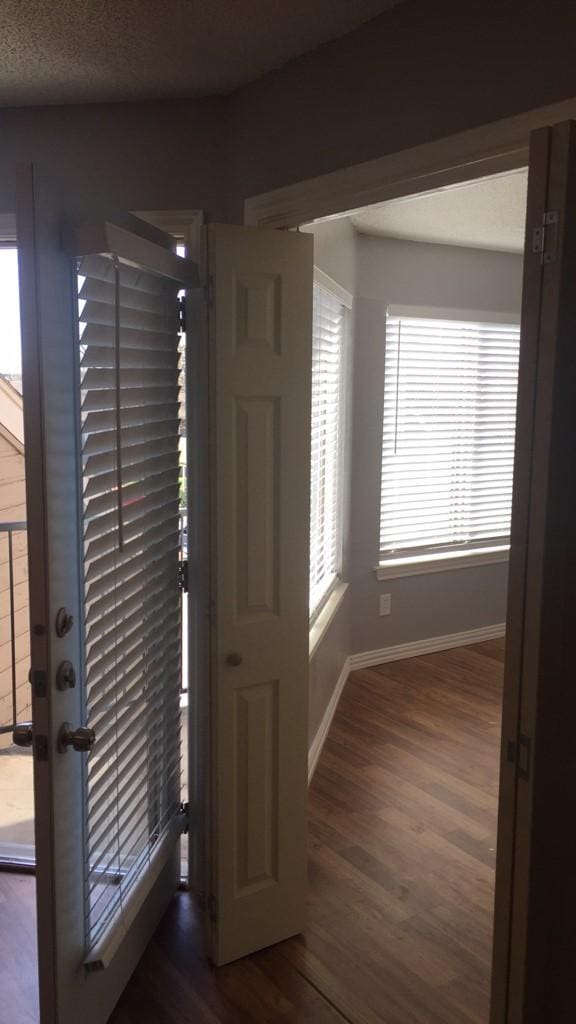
(101,395)
(102,387)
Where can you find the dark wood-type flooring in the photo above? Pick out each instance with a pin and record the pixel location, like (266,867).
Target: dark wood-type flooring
(402,838)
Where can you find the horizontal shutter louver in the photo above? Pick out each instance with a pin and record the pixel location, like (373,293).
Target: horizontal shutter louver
(448,439)
(132,627)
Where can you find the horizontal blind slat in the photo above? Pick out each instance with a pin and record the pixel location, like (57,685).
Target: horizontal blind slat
(132,624)
(448,432)
(329,322)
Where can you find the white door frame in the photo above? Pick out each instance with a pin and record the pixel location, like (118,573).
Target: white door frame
(493,148)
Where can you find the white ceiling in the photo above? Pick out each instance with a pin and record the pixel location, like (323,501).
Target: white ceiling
(485,214)
(75,51)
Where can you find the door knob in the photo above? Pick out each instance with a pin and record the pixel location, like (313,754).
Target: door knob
(234,659)
(81,739)
(23,735)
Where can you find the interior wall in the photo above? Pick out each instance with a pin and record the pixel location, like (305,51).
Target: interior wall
(416,73)
(415,274)
(441,276)
(122,156)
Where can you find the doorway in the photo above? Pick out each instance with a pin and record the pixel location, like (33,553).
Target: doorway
(425,468)
(18,967)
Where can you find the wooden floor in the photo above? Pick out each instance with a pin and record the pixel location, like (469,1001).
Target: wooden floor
(18,970)
(402,837)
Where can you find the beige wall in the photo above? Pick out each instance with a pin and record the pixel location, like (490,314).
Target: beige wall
(13,508)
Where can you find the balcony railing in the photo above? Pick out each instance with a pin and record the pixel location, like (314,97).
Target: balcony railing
(15,697)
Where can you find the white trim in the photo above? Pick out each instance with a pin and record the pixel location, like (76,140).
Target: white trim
(100,956)
(321,624)
(366,659)
(487,150)
(437,313)
(447,561)
(340,293)
(324,727)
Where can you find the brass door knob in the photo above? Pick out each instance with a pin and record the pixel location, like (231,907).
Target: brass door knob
(234,659)
(81,739)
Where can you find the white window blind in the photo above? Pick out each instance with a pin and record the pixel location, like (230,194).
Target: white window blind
(329,326)
(129,389)
(448,441)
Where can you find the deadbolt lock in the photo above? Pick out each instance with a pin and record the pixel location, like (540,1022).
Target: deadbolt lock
(234,659)
(80,739)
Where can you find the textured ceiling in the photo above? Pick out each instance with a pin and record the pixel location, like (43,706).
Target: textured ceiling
(76,51)
(486,214)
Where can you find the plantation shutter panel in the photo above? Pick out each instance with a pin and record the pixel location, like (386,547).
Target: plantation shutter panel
(448,439)
(329,325)
(129,393)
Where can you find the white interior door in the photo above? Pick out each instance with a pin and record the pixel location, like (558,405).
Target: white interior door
(260,330)
(101,395)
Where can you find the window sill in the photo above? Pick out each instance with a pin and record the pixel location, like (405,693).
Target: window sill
(395,568)
(324,619)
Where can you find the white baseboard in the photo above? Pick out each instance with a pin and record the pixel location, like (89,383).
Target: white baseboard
(320,737)
(366,659)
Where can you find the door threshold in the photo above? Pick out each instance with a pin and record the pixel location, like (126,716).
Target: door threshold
(20,867)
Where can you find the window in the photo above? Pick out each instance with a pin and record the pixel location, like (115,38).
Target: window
(331,306)
(448,442)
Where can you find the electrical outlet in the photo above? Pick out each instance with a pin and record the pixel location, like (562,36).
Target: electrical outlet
(385,604)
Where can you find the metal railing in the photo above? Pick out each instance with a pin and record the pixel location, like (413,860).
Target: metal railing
(13,638)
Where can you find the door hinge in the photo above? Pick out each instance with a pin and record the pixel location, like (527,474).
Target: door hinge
(545,237)
(183,576)
(520,754)
(181,314)
(184,807)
